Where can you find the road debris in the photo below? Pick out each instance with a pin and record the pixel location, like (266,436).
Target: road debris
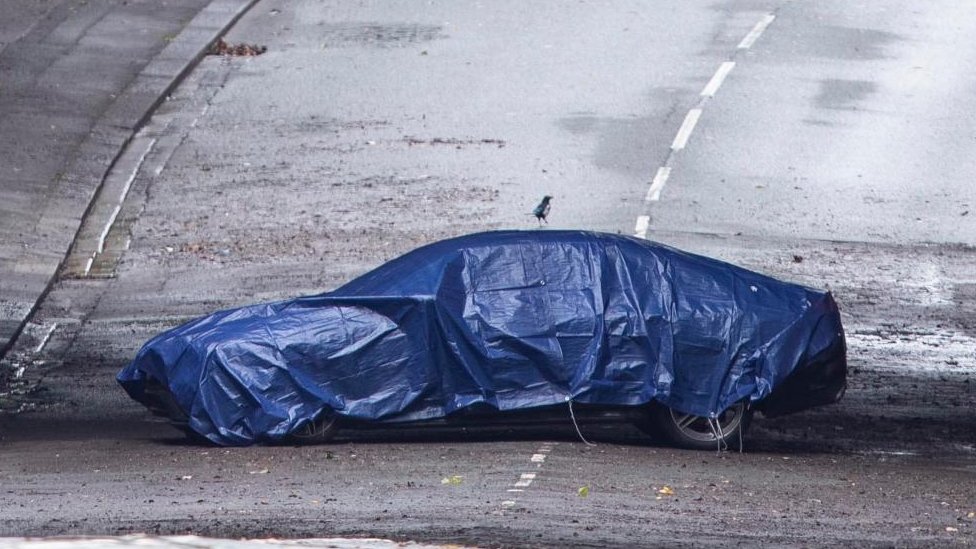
(221,47)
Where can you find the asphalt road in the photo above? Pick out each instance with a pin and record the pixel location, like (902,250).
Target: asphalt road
(832,153)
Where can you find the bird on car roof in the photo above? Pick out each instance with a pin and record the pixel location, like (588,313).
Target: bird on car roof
(542,210)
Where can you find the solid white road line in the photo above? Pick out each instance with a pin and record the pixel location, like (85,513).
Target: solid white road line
(107,228)
(654,192)
(88,265)
(713,85)
(135,171)
(640,231)
(122,196)
(756,32)
(47,336)
(684,132)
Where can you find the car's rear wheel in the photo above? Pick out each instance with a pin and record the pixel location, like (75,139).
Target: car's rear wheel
(698,432)
(321,429)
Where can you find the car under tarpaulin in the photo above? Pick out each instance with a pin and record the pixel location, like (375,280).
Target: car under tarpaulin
(511,320)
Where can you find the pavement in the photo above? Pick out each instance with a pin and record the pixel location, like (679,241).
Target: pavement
(78,79)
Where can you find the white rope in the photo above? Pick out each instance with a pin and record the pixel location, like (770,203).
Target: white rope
(742,426)
(721,435)
(573,416)
(715,425)
(718,445)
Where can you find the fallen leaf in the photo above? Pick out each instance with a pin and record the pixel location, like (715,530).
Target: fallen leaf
(583,491)
(667,491)
(453,480)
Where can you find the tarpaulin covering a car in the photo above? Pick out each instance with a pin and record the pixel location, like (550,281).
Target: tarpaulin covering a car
(512,320)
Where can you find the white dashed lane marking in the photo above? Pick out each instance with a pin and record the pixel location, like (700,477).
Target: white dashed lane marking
(756,32)
(691,120)
(525,479)
(654,191)
(684,132)
(716,82)
(640,231)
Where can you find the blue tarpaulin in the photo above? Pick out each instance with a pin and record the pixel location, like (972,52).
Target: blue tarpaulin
(513,320)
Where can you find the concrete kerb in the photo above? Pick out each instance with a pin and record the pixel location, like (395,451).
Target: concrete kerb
(128,113)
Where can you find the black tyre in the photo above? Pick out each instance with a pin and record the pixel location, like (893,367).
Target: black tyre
(697,432)
(321,429)
(162,403)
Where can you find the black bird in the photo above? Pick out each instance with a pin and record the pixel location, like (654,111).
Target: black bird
(542,210)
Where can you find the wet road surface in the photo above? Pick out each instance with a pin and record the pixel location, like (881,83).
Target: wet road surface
(368,130)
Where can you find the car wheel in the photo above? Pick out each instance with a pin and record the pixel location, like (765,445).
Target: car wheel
(320,429)
(162,403)
(697,432)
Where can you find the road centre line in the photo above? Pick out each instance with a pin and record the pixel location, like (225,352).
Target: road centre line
(684,132)
(756,32)
(691,120)
(640,231)
(713,85)
(654,191)
(525,479)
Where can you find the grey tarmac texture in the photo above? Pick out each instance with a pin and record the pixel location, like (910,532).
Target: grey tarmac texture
(79,78)
(369,129)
